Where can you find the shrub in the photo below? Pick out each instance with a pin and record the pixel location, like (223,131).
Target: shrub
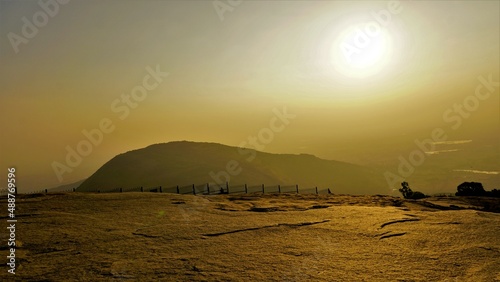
(493,193)
(418,195)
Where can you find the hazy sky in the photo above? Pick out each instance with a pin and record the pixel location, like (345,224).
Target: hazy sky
(363,79)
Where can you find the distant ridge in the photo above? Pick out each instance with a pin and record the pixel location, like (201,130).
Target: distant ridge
(65,187)
(184,163)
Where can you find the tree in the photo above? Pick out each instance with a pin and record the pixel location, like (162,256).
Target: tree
(409,194)
(470,189)
(405,190)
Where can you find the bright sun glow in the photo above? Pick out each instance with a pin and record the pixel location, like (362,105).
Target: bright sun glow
(362,50)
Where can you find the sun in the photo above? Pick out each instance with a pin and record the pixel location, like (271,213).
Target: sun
(361,50)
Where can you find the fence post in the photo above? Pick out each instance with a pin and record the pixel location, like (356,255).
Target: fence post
(161,190)
(227,187)
(297,188)
(142,189)
(316,189)
(279,189)
(208,188)
(74,189)
(98,191)
(263,189)
(121,190)
(194,191)
(246,190)
(178,189)
(46,191)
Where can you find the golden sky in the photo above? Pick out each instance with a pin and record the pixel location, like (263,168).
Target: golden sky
(363,79)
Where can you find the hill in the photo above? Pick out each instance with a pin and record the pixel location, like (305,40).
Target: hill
(185,163)
(65,187)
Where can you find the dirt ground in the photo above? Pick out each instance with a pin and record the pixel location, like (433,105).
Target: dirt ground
(252,237)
